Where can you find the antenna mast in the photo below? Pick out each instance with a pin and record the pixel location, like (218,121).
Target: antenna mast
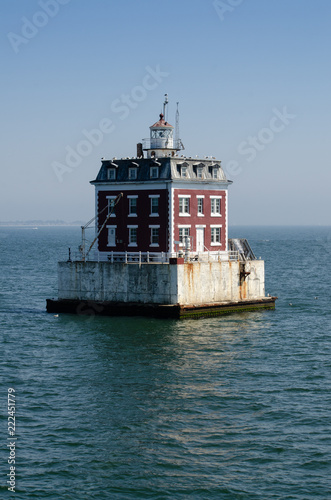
(178,143)
(177,127)
(165,106)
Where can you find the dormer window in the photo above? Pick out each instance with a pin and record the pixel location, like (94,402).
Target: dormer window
(215,173)
(111,174)
(183,172)
(199,170)
(154,172)
(132,173)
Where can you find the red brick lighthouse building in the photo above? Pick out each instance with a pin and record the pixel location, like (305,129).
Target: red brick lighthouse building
(161,240)
(169,202)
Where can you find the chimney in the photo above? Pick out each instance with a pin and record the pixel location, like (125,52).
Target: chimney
(140,153)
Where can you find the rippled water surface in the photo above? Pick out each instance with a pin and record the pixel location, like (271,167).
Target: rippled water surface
(235,407)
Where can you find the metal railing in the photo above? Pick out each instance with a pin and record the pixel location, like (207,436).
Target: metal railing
(162,143)
(239,250)
(242,247)
(157,257)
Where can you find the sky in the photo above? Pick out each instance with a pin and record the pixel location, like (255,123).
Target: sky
(84,79)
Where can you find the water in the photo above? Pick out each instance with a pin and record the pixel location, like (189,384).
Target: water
(235,407)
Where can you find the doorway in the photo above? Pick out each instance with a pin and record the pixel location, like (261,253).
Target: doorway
(200,239)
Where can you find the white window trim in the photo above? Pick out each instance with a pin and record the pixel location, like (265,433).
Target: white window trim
(151,196)
(202,172)
(111,169)
(183,226)
(216,226)
(154,226)
(184,172)
(135,170)
(132,197)
(184,214)
(215,214)
(132,244)
(200,197)
(111,198)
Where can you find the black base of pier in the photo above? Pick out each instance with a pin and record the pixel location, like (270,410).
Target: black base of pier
(173,311)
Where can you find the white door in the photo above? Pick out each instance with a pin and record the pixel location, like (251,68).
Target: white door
(111,237)
(200,239)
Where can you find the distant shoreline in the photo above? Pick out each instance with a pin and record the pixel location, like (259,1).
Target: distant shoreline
(82,223)
(41,224)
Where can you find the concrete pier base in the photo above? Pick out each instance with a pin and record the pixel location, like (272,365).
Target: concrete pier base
(172,311)
(174,289)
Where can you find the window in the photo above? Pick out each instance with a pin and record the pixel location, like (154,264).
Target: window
(154,172)
(154,235)
(215,173)
(111,174)
(133,206)
(132,173)
(133,236)
(215,204)
(215,235)
(184,232)
(111,205)
(156,134)
(200,206)
(199,172)
(154,206)
(183,172)
(184,205)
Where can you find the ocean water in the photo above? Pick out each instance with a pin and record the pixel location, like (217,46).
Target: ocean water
(234,407)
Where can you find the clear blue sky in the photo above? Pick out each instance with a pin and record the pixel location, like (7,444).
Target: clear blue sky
(252,78)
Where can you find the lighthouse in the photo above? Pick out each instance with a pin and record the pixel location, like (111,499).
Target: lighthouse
(161,142)
(161,242)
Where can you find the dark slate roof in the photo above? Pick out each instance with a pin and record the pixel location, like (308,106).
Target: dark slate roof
(170,169)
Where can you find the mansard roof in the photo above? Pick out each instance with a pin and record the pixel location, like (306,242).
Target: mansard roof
(170,169)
